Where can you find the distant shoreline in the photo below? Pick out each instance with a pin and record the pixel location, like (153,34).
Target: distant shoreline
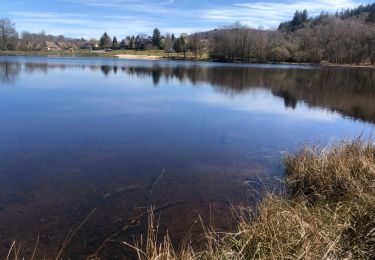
(137,57)
(158,55)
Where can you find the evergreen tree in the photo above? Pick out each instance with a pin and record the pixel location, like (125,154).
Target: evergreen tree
(180,44)
(304,16)
(138,42)
(177,46)
(156,38)
(115,43)
(297,19)
(132,42)
(105,41)
(122,44)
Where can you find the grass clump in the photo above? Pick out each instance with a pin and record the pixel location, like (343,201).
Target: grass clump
(326,212)
(339,182)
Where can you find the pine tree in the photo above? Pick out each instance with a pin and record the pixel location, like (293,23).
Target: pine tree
(115,43)
(304,15)
(105,41)
(297,19)
(132,42)
(122,44)
(177,46)
(156,38)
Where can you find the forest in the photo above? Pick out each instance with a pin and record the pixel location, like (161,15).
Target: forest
(346,37)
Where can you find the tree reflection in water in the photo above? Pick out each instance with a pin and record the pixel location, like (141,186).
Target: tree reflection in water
(348,91)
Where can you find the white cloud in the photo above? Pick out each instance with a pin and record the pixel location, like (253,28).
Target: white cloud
(270,14)
(123,3)
(34,15)
(81,25)
(315,6)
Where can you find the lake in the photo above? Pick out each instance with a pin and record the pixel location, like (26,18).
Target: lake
(107,138)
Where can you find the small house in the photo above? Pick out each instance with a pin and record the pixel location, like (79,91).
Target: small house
(63,45)
(51,46)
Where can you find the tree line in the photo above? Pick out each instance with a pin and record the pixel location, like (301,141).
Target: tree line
(26,41)
(194,43)
(344,37)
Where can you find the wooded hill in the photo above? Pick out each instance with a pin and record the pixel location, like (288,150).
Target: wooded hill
(346,37)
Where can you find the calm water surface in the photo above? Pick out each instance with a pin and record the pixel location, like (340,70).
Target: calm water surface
(191,139)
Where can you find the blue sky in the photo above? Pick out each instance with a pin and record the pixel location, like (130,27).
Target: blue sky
(90,18)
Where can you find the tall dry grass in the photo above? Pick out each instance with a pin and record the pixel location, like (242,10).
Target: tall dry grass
(326,212)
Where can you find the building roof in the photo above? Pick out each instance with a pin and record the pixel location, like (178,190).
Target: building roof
(63,45)
(52,45)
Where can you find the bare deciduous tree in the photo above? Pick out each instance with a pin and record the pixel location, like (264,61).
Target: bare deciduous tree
(8,35)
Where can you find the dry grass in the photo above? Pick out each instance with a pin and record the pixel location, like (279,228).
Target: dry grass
(327,212)
(340,183)
(154,249)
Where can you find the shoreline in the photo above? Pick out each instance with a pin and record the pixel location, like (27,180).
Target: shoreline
(326,211)
(125,56)
(137,57)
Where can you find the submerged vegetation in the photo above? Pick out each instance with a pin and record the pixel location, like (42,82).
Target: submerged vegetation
(326,212)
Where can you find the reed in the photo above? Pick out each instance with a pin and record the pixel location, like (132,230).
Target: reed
(326,212)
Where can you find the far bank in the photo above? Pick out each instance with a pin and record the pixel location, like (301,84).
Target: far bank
(158,55)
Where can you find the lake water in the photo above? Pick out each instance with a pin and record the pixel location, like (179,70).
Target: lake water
(191,139)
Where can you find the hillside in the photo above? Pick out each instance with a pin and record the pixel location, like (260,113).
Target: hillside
(362,13)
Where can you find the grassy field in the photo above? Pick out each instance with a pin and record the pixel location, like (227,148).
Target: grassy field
(100,54)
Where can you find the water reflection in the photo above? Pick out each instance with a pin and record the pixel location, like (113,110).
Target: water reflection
(9,71)
(349,91)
